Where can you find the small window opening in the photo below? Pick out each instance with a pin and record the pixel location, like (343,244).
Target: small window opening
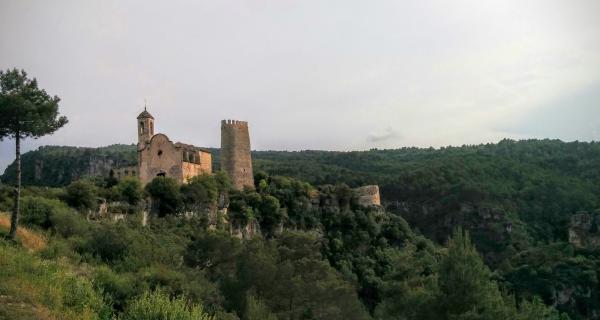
(160,152)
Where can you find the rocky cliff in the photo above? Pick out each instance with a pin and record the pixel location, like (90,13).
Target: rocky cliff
(58,166)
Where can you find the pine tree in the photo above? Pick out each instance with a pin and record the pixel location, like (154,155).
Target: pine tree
(25,111)
(466,290)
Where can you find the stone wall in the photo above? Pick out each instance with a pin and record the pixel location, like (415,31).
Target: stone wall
(235,153)
(160,156)
(120,173)
(368,196)
(190,170)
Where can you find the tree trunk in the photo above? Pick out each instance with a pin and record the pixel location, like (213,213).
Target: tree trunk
(14,219)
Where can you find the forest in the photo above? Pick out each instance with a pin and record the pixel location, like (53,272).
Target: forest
(471,232)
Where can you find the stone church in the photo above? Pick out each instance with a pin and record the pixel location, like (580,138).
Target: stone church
(159,156)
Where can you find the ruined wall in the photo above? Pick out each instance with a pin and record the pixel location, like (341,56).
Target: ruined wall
(368,196)
(190,170)
(235,153)
(120,173)
(160,156)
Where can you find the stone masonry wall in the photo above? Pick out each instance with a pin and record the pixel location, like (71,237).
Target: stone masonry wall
(160,156)
(368,196)
(235,153)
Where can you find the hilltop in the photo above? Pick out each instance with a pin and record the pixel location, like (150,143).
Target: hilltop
(532,207)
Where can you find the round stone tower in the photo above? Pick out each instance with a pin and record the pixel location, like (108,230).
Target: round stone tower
(235,153)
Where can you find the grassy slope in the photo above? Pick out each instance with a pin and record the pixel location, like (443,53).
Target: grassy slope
(34,288)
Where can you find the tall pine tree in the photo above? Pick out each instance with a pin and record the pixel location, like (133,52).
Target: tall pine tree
(25,111)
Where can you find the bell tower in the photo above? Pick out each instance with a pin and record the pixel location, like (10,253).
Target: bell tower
(145,124)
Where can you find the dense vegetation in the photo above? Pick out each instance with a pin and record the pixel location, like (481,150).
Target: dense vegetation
(332,258)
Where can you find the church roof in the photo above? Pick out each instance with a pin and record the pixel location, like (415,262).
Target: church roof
(145,114)
(191,147)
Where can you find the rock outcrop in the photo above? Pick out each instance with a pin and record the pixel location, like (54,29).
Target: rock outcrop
(368,196)
(583,231)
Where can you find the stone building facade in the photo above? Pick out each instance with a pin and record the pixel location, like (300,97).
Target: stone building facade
(159,156)
(235,156)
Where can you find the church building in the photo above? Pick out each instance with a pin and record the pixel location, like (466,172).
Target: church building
(159,156)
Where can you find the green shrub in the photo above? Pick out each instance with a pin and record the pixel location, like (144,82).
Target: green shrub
(257,310)
(200,192)
(158,306)
(82,195)
(165,192)
(107,243)
(50,289)
(68,223)
(118,289)
(130,190)
(6,198)
(38,211)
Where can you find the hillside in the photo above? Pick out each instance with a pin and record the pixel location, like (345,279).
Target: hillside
(59,165)
(533,184)
(517,199)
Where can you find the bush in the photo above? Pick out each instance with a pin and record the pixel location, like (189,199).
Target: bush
(158,306)
(107,243)
(130,190)
(200,192)
(82,195)
(6,198)
(165,192)
(38,211)
(118,289)
(50,290)
(68,223)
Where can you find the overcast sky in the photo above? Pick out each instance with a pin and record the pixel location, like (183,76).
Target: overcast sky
(336,75)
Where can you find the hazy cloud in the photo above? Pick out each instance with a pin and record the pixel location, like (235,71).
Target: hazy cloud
(309,74)
(382,134)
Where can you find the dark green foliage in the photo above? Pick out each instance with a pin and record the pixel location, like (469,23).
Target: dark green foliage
(514,198)
(42,212)
(108,244)
(82,195)
(559,269)
(344,261)
(287,274)
(6,198)
(201,192)
(462,288)
(130,190)
(25,110)
(165,195)
(59,166)
(465,285)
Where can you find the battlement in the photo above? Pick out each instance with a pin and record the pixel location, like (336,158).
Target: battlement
(234,123)
(235,153)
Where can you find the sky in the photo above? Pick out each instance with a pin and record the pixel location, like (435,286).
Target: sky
(332,75)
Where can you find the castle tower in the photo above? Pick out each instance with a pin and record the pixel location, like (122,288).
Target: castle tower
(235,153)
(145,128)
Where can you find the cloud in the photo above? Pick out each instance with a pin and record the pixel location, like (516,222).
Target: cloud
(383,134)
(305,74)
